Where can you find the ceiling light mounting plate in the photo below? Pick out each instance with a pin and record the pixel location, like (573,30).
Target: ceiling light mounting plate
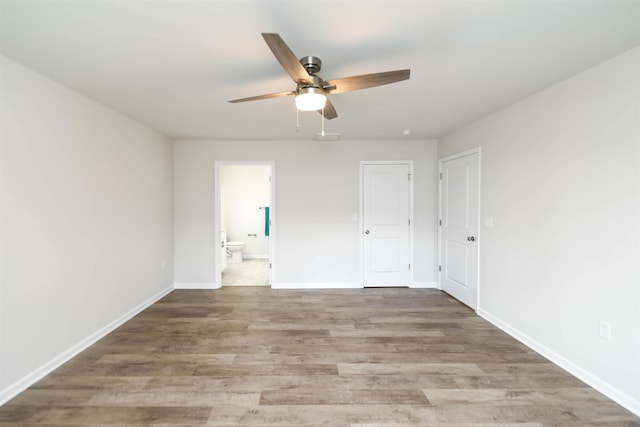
(328,136)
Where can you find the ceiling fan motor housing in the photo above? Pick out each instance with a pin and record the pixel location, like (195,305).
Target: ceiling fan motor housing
(316,83)
(312,64)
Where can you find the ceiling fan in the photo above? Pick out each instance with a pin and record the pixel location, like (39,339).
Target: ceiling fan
(311,90)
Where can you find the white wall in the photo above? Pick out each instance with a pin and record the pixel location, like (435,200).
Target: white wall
(560,178)
(243,190)
(317,193)
(86,223)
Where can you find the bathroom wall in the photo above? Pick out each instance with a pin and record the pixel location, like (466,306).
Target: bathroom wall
(243,189)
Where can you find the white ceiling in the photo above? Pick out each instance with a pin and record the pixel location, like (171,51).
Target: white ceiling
(173,65)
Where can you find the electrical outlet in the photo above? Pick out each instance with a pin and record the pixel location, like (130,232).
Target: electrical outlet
(317,259)
(604,330)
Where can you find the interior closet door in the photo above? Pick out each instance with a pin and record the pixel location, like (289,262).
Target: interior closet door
(386,224)
(459,199)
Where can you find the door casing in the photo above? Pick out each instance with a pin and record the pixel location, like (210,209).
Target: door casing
(272,216)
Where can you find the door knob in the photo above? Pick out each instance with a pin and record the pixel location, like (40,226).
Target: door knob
(366,231)
(471,239)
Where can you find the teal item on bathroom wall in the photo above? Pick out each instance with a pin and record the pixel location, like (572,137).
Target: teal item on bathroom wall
(266,221)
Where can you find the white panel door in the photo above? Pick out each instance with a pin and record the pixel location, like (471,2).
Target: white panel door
(459,228)
(386,227)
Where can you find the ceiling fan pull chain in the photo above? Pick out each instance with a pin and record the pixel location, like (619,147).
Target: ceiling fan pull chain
(322,121)
(297,120)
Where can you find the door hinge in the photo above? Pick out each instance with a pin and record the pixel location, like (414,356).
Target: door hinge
(269,266)
(439,222)
(440,175)
(409,221)
(409,176)
(409,266)
(439,268)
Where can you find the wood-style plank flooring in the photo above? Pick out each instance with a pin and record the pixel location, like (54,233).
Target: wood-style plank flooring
(245,356)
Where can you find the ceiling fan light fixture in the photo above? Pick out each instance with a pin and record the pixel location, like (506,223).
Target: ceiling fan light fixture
(310,99)
(311,90)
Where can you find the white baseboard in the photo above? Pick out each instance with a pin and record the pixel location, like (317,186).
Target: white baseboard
(257,256)
(336,285)
(196,285)
(244,285)
(345,285)
(424,285)
(621,398)
(39,373)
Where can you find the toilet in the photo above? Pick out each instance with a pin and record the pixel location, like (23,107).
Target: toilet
(235,249)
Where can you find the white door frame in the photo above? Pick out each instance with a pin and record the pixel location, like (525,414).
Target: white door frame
(409,163)
(477,151)
(272,216)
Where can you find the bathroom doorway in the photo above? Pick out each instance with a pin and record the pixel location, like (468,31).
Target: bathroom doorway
(244,223)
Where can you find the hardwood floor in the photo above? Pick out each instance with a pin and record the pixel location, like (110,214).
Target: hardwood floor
(245,356)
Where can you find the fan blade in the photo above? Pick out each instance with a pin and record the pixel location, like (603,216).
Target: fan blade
(349,84)
(286,58)
(329,110)
(268,96)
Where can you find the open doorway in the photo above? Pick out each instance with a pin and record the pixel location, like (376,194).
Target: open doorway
(244,222)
